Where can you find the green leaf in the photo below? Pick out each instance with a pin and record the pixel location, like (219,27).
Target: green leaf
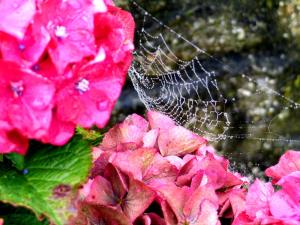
(49,181)
(17,160)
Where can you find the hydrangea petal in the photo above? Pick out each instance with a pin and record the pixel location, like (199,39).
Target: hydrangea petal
(29,49)
(101,192)
(29,99)
(72,35)
(150,219)
(91,95)
(288,162)
(140,160)
(258,198)
(138,199)
(59,132)
(131,130)
(179,141)
(16,16)
(13,141)
(159,121)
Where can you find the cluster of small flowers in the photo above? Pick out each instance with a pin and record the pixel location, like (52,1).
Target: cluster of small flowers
(62,64)
(279,206)
(162,174)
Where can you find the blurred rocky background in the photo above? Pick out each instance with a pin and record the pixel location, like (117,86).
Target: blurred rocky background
(260,38)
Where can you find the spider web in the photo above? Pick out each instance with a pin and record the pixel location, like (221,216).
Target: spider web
(204,93)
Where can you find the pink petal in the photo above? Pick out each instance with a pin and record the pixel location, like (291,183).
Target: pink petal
(91,95)
(13,141)
(176,197)
(132,130)
(150,219)
(59,132)
(16,16)
(232,201)
(159,171)
(291,185)
(72,36)
(192,206)
(169,216)
(202,205)
(257,200)
(209,214)
(100,164)
(217,175)
(159,121)
(187,171)
(107,215)
(176,161)
(283,207)
(243,219)
(29,99)
(117,180)
(179,141)
(138,199)
(101,192)
(139,159)
(46,68)
(289,162)
(150,139)
(237,200)
(28,50)
(114,32)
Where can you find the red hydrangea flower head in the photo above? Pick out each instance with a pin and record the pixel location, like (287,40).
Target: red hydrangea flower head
(70,63)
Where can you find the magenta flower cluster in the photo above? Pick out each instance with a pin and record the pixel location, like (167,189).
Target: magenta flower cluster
(62,64)
(157,173)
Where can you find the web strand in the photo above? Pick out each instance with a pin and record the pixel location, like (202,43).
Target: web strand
(195,92)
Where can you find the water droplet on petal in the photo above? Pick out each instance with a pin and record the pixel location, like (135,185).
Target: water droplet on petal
(103,105)
(38,103)
(21,47)
(36,67)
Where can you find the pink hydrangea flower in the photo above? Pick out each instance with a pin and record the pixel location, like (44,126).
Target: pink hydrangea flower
(188,187)
(192,187)
(264,205)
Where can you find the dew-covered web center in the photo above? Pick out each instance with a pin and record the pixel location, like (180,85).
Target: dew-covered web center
(205,93)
